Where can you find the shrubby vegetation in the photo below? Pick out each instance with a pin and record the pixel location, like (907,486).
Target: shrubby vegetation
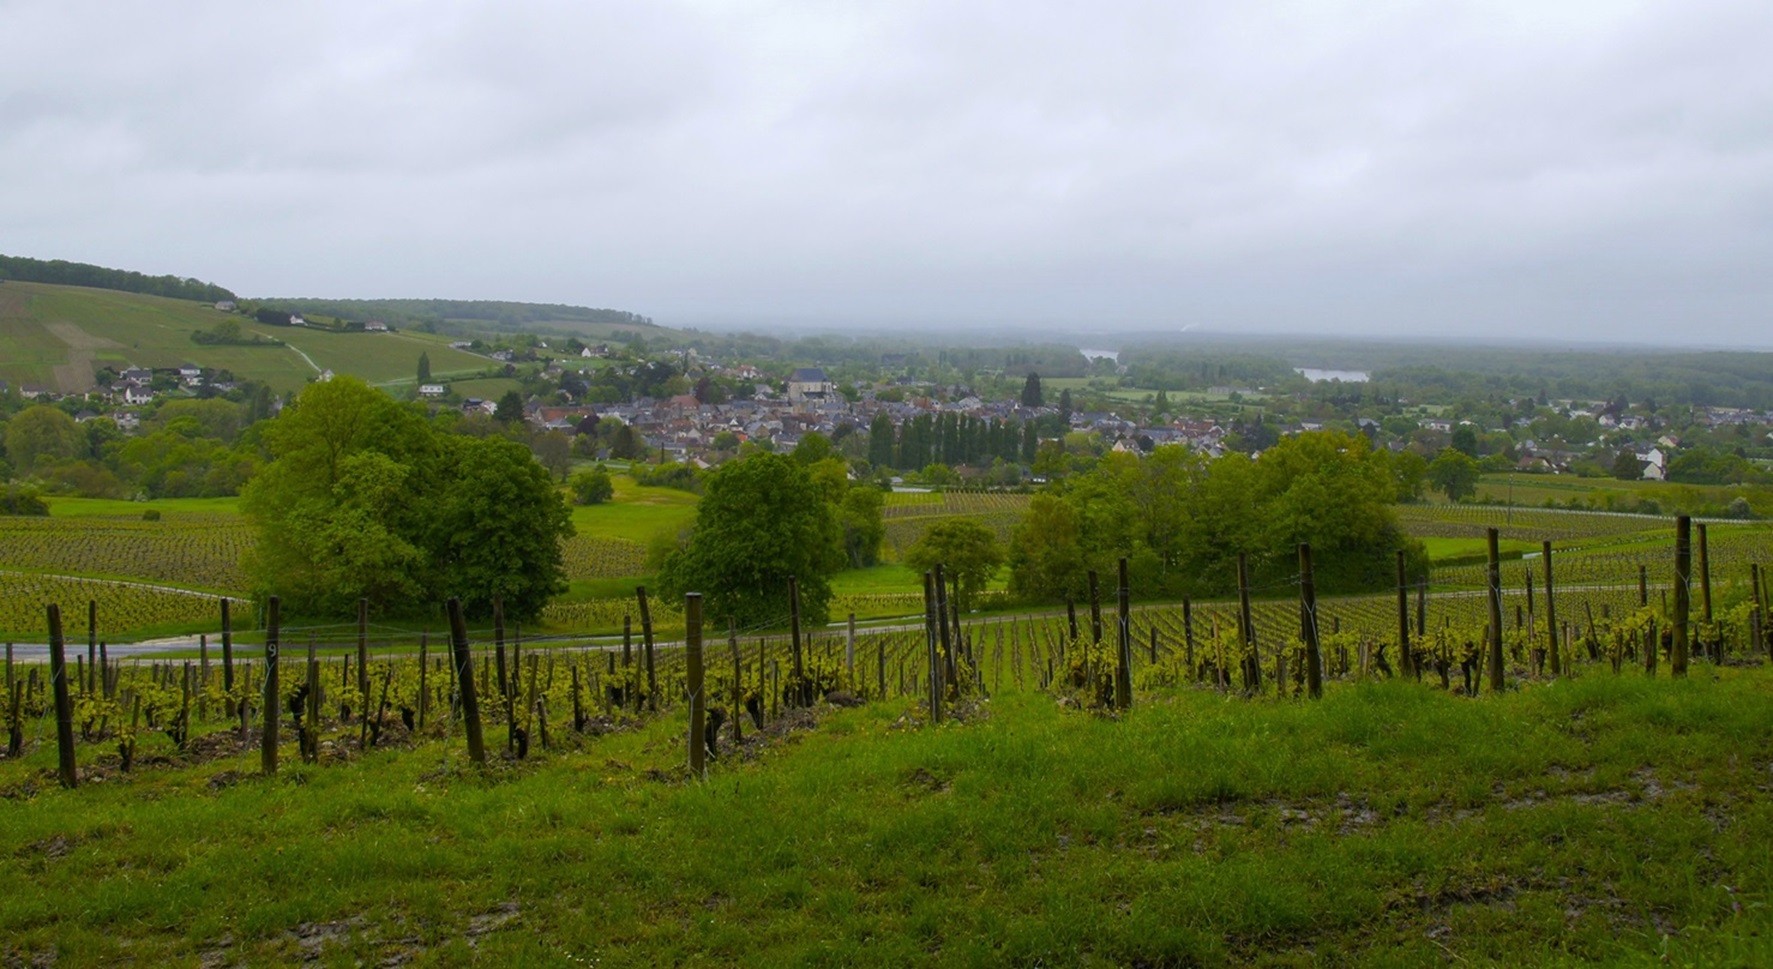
(1181,518)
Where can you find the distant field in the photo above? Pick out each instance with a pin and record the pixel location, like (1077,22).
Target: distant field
(1608,493)
(57,336)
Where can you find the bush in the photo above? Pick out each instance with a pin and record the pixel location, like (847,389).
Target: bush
(17,499)
(592,486)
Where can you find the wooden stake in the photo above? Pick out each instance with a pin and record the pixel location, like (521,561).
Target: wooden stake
(698,712)
(464,669)
(268,739)
(64,705)
(800,686)
(1314,660)
(1494,576)
(1405,656)
(1682,592)
(646,641)
(1551,614)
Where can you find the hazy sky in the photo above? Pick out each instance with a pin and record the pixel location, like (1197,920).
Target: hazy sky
(1583,170)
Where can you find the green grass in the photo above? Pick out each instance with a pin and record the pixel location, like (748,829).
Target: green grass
(1608,819)
(112,508)
(485,388)
(637,513)
(1444,549)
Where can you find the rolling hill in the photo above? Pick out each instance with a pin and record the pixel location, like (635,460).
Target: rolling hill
(57,337)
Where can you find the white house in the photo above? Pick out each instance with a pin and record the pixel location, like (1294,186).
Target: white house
(432,390)
(134,394)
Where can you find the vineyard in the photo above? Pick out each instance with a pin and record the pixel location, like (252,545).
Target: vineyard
(1171,746)
(187,549)
(909,514)
(129,607)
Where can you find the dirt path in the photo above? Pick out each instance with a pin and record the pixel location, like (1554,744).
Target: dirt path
(75,376)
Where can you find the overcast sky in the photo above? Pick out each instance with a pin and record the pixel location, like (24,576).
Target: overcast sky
(1548,168)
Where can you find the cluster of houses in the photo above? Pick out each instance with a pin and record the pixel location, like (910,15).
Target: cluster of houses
(684,428)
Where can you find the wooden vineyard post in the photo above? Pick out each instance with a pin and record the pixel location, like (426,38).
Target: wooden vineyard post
(1246,627)
(1494,578)
(696,676)
(64,706)
(732,640)
(311,736)
(424,692)
(849,649)
(268,738)
(880,659)
(1405,656)
(933,681)
(945,655)
(1123,677)
(1704,578)
(362,673)
(88,687)
(794,638)
(228,654)
(646,641)
(1188,634)
(1551,614)
(1651,646)
(1682,593)
(464,667)
(1314,660)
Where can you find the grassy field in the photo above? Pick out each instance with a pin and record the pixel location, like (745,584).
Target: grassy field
(57,336)
(1607,819)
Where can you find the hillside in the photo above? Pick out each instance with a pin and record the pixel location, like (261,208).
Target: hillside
(57,337)
(479,316)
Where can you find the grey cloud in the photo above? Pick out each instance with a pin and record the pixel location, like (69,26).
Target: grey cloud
(1594,169)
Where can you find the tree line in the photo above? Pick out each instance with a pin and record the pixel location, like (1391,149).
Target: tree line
(63,273)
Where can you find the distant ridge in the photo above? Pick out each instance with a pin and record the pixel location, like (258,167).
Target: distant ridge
(64,273)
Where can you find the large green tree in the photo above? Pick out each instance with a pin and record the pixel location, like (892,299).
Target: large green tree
(761,520)
(363,497)
(968,552)
(40,437)
(1454,473)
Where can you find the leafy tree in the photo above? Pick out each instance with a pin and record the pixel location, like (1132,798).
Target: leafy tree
(880,441)
(424,368)
(624,444)
(1455,473)
(812,449)
(40,437)
(593,486)
(760,521)
(1046,558)
(364,497)
(861,515)
(1626,466)
(968,552)
(1065,404)
(1031,396)
(554,450)
(510,408)
(496,530)
(1465,440)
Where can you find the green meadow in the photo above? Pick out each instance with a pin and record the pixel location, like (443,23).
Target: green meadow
(1612,820)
